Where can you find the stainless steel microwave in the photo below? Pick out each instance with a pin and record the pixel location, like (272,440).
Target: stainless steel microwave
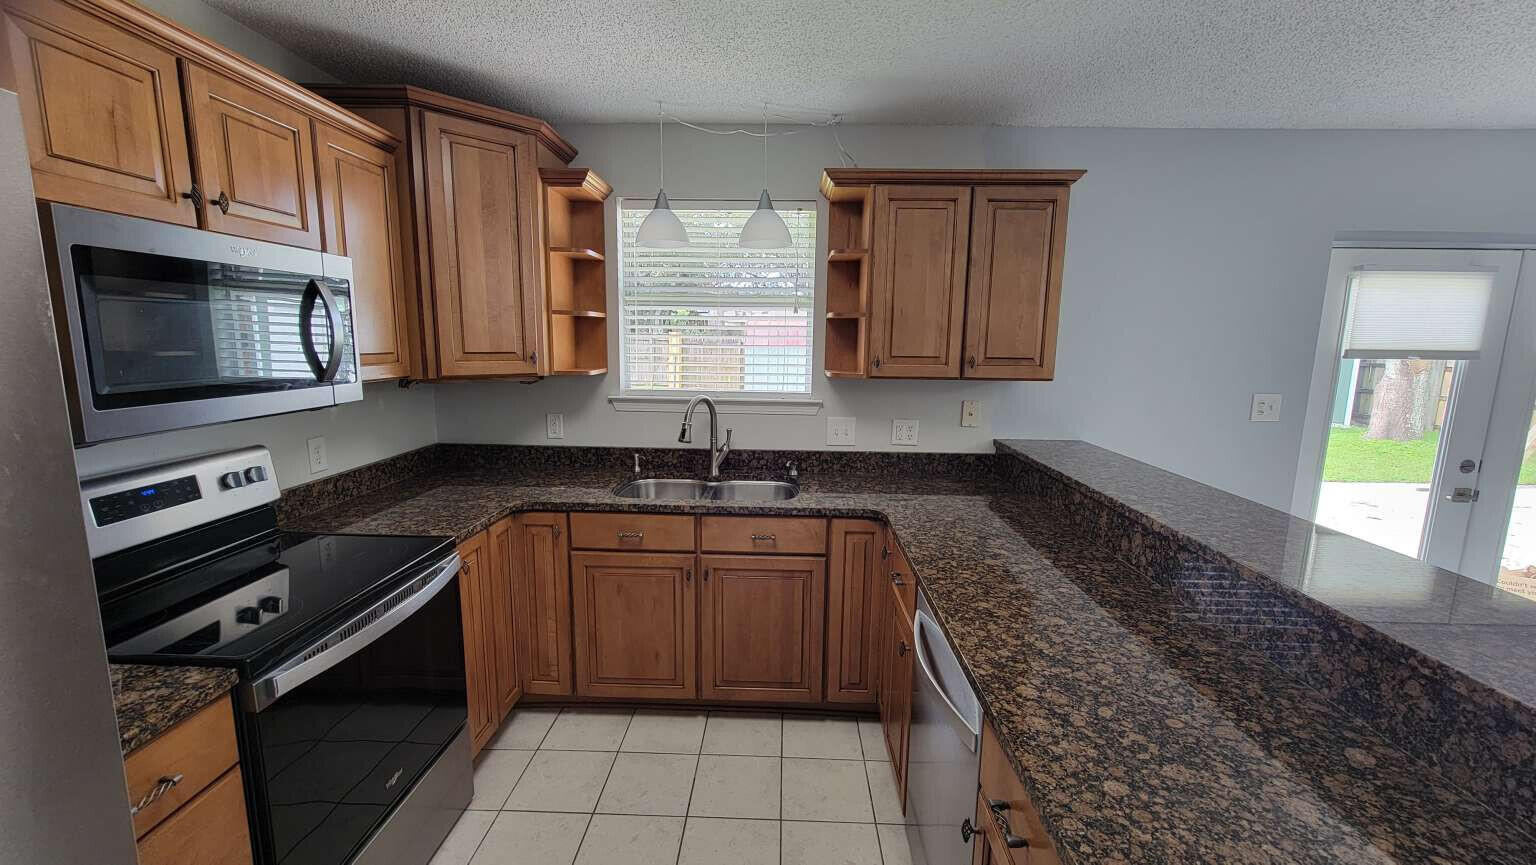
(164,327)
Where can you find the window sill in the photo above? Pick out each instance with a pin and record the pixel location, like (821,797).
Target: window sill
(725,404)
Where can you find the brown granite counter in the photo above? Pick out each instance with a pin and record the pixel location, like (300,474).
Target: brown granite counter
(151,700)
(1144,734)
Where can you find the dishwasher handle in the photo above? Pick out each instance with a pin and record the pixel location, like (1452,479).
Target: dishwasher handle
(968,732)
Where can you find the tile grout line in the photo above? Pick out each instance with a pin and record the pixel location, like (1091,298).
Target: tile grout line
(592,815)
(781,789)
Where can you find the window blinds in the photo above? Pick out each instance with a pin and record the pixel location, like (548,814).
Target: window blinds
(1425,314)
(712,316)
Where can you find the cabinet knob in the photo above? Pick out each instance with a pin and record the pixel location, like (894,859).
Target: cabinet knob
(688,575)
(877,363)
(902,648)
(967,831)
(195,196)
(896,579)
(223,202)
(971,362)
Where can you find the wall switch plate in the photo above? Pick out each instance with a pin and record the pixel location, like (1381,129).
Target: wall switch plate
(904,432)
(1266,407)
(554,425)
(840,431)
(317,462)
(969,410)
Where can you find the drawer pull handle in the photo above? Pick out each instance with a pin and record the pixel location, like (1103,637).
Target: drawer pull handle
(999,809)
(764,537)
(631,535)
(161,787)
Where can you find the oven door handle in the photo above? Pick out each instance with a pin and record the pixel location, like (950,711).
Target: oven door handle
(317,289)
(350,638)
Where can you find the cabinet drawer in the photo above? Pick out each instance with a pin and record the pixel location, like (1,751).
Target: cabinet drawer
(199,749)
(903,581)
(210,830)
(763,535)
(1014,812)
(632,532)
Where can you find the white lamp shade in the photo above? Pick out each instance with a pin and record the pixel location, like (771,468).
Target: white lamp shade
(661,229)
(765,229)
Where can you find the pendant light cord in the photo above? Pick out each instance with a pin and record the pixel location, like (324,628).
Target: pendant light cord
(765,145)
(661,146)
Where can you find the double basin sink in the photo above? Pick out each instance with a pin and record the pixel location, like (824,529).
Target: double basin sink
(710,491)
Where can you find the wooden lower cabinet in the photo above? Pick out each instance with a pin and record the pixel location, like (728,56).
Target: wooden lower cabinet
(896,687)
(855,586)
(541,577)
(1005,813)
(476,602)
(211,829)
(507,681)
(634,619)
(199,818)
(761,629)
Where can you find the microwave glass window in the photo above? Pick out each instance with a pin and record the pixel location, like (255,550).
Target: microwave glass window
(164,329)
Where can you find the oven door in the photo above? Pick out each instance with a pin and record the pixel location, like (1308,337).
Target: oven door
(172,327)
(336,738)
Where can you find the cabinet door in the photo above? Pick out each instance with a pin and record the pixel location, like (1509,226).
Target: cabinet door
(854,583)
(475,603)
(101,111)
(634,622)
(255,161)
(762,628)
(360,215)
(896,689)
(542,579)
(508,680)
(212,829)
(1018,240)
(918,291)
(482,200)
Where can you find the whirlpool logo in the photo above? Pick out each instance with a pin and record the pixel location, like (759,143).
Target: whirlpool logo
(242,251)
(393,779)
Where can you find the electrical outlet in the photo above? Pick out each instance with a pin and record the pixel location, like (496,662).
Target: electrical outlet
(840,431)
(1266,407)
(554,426)
(317,462)
(904,432)
(969,411)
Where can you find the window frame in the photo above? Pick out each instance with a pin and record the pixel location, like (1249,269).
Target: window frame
(728,401)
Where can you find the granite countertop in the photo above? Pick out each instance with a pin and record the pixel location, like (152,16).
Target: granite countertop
(151,700)
(1141,735)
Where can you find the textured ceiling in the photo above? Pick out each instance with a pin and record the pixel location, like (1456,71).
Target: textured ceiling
(1152,63)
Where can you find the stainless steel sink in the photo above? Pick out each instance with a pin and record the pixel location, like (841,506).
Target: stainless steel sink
(715,491)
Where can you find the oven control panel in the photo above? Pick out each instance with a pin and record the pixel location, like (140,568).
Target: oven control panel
(128,508)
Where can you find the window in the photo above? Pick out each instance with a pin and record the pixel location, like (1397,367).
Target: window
(714,317)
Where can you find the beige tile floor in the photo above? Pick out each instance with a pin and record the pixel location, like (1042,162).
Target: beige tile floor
(590,786)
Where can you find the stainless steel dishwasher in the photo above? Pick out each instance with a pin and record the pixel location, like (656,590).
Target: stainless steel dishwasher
(943,751)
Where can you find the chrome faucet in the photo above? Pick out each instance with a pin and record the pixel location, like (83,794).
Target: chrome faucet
(717,450)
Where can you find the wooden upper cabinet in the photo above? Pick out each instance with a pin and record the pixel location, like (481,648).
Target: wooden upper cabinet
(542,604)
(1018,239)
(360,217)
(855,587)
(507,679)
(761,633)
(101,111)
(918,291)
(482,188)
(255,160)
(634,620)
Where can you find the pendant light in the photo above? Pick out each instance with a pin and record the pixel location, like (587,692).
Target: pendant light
(661,229)
(765,229)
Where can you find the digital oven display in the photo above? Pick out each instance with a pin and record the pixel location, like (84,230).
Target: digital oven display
(125,505)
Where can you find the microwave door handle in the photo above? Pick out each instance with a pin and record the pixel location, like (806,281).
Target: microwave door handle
(316,289)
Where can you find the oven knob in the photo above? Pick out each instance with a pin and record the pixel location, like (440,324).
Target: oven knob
(270,604)
(231,480)
(248,615)
(255,475)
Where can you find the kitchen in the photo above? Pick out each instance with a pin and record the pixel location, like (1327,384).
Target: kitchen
(444,564)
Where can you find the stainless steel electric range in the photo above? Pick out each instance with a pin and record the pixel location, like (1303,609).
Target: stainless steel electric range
(351,709)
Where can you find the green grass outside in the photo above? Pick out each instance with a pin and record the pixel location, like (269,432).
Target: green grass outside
(1352,458)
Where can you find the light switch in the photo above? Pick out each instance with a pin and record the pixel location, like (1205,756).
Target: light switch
(840,431)
(1266,407)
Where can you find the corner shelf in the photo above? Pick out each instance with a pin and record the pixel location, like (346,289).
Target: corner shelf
(576,287)
(850,232)
(580,253)
(847,254)
(842,315)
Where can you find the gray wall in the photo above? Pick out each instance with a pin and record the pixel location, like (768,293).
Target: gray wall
(210,23)
(1194,278)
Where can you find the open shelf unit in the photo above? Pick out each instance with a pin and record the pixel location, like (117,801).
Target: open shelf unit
(849,233)
(575,272)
